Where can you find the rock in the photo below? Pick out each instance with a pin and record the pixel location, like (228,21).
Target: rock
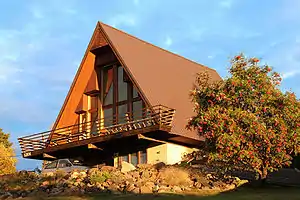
(144,166)
(145,189)
(136,191)
(108,168)
(45,183)
(6,196)
(105,184)
(55,191)
(127,167)
(113,189)
(109,182)
(230,187)
(83,174)
(159,165)
(74,175)
(135,174)
(176,189)
(130,187)
(155,188)
(197,185)
(146,174)
(149,184)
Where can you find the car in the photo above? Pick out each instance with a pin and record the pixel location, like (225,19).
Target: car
(65,165)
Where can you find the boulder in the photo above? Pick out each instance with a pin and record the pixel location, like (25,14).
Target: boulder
(127,167)
(176,189)
(159,165)
(149,184)
(144,166)
(108,168)
(130,188)
(145,189)
(136,190)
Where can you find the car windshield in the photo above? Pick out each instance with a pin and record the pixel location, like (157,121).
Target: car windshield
(76,162)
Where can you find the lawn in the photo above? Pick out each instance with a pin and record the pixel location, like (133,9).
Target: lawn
(274,193)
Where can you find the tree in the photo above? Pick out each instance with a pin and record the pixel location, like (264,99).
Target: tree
(247,121)
(4,139)
(7,155)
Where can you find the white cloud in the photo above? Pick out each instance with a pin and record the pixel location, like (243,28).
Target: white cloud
(136,2)
(210,57)
(290,74)
(168,41)
(122,20)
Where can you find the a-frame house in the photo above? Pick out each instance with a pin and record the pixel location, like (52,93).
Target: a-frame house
(129,101)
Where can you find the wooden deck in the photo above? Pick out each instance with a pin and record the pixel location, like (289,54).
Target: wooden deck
(152,119)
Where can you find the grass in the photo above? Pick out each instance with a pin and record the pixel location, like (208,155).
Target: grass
(243,193)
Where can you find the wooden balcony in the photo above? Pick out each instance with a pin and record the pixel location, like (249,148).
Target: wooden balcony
(150,119)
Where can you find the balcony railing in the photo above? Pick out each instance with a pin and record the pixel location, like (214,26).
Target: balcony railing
(141,119)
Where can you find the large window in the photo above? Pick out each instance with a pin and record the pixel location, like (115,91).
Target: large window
(119,96)
(135,158)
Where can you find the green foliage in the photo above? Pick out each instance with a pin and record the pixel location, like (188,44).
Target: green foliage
(99,177)
(247,121)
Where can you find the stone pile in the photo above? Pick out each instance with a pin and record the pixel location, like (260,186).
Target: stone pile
(129,179)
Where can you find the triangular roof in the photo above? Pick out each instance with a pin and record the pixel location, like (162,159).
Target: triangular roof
(161,76)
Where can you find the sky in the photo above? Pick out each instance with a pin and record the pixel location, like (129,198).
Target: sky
(42,44)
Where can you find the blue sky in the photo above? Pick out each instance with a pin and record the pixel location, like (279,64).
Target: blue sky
(43,42)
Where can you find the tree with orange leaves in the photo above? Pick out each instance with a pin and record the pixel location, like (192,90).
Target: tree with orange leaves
(248,122)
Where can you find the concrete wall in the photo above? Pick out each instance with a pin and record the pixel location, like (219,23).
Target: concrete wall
(157,154)
(176,152)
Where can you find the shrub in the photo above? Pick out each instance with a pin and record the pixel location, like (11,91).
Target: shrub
(175,176)
(99,177)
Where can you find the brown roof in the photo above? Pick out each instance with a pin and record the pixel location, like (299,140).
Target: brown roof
(163,77)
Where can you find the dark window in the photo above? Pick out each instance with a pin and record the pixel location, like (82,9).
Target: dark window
(137,110)
(143,157)
(134,158)
(122,110)
(108,97)
(51,165)
(64,163)
(108,117)
(135,93)
(125,158)
(122,86)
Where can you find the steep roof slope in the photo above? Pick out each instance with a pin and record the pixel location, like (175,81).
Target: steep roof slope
(164,77)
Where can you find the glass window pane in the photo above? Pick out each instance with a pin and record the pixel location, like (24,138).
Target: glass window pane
(122,86)
(137,110)
(135,92)
(134,159)
(122,110)
(108,117)
(125,158)
(107,90)
(108,97)
(143,157)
